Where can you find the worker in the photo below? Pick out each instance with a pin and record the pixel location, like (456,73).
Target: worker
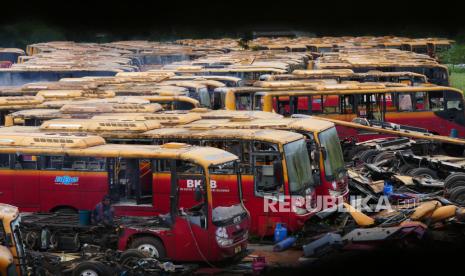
(103,212)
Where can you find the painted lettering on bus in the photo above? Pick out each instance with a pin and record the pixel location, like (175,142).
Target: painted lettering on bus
(67,180)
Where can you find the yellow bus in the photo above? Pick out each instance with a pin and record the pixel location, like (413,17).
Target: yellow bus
(435,108)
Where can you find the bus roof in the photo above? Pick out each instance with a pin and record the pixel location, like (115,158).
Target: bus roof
(94,146)
(98,126)
(267,135)
(312,124)
(15,102)
(164,118)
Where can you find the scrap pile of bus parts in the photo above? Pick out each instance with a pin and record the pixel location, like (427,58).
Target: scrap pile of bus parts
(62,232)
(432,164)
(105,261)
(406,222)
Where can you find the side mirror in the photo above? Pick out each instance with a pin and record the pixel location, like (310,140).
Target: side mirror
(198,195)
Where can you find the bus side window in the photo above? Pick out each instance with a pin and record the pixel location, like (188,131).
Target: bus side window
(182,106)
(52,162)
(76,163)
(241,149)
(267,168)
(258,102)
(317,104)
(304,104)
(453,100)
(243,101)
(331,104)
(4,161)
(436,100)
(421,101)
(347,106)
(405,102)
(391,102)
(25,162)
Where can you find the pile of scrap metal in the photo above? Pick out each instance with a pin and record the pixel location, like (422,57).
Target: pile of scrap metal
(408,222)
(398,169)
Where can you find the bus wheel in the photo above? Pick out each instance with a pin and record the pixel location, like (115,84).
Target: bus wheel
(150,246)
(423,172)
(454,180)
(129,258)
(405,168)
(91,268)
(368,156)
(457,195)
(384,155)
(65,210)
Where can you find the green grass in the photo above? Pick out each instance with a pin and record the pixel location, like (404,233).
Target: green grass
(457,80)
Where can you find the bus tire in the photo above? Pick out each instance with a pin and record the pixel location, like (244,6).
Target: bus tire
(130,257)
(149,246)
(384,155)
(65,210)
(368,156)
(423,172)
(91,268)
(457,195)
(454,180)
(406,168)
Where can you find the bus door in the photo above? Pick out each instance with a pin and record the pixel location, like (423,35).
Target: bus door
(269,189)
(188,199)
(26,182)
(130,182)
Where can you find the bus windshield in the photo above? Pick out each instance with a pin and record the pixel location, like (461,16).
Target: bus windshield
(334,161)
(298,166)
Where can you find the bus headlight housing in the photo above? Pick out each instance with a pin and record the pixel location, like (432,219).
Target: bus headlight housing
(222,237)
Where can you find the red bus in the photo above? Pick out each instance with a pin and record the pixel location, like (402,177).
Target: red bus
(437,109)
(50,172)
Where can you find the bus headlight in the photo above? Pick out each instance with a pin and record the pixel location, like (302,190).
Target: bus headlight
(222,237)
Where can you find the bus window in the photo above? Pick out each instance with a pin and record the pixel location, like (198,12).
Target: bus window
(453,101)
(258,102)
(436,100)
(243,101)
(317,104)
(25,162)
(4,161)
(267,168)
(182,106)
(281,105)
(304,105)
(144,189)
(346,104)
(421,101)
(331,104)
(218,100)
(52,162)
(74,163)
(405,102)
